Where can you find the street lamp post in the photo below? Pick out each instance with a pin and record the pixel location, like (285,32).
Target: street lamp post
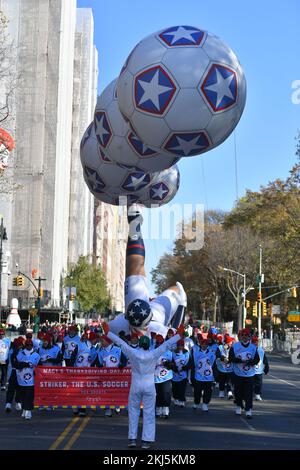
(244,292)
(3,236)
(259,290)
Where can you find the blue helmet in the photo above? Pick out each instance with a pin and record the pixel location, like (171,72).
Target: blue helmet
(139,313)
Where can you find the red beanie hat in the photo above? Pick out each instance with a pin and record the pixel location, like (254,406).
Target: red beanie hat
(180,342)
(72,328)
(245,331)
(47,337)
(159,339)
(106,338)
(18,341)
(93,335)
(228,339)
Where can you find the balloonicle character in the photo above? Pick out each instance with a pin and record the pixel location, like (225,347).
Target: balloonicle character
(167,309)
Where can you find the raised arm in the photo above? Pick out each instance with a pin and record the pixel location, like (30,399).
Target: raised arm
(125,348)
(166,345)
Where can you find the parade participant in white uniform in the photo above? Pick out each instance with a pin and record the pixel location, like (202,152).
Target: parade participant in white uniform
(13,389)
(71,340)
(225,368)
(4,349)
(141,313)
(84,355)
(261,368)
(110,355)
(201,373)
(244,357)
(181,359)
(163,375)
(50,354)
(142,390)
(27,360)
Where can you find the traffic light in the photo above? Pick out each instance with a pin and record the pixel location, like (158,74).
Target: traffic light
(15,281)
(259,297)
(41,293)
(247,303)
(264,309)
(72,296)
(20,281)
(254,310)
(294,292)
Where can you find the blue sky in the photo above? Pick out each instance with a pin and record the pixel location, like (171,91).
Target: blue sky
(265,37)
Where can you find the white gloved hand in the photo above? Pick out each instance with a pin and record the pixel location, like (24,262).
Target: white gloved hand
(182,295)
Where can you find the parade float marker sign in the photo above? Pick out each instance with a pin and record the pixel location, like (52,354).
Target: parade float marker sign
(86,387)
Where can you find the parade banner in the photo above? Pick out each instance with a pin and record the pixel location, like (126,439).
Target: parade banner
(86,387)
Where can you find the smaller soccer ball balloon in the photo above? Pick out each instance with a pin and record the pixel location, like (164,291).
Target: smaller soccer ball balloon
(104,177)
(162,189)
(119,142)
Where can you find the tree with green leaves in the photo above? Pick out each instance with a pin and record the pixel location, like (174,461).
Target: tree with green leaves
(91,286)
(269,217)
(274,213)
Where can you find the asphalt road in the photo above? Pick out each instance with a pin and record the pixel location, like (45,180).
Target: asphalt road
(275,423)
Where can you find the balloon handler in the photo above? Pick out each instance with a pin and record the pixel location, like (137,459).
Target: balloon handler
(142,390)
(141,313)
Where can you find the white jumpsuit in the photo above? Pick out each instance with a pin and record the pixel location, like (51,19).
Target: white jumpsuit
(143,363)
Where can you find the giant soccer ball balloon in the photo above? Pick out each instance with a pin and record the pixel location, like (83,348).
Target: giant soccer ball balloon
(162,189)
(182,90)
(105,179)
(119,142)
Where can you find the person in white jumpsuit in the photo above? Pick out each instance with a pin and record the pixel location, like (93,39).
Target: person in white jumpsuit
(157,315)
(143,362)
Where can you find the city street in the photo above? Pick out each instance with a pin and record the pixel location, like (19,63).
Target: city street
(275,424)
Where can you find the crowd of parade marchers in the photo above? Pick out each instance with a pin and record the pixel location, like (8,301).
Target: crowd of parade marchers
(203,358)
